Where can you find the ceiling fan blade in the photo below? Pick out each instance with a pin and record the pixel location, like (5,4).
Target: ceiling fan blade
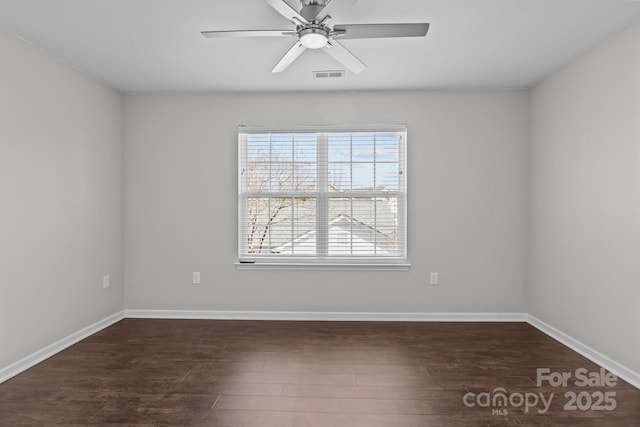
(342,55)
(288,58)
(287,11)
(376,31)
(248,33)
(337,6)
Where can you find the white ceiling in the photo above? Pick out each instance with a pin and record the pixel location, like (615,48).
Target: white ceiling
(155,45)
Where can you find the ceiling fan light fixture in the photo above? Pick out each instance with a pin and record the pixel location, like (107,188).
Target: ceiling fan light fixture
(314,38)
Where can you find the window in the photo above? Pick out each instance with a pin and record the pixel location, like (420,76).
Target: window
(322,195)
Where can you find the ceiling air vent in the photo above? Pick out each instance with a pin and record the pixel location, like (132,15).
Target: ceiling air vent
(328,74)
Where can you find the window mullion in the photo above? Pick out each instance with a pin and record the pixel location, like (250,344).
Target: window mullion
(351,214)
(375,198)
(295,188)
(322,203)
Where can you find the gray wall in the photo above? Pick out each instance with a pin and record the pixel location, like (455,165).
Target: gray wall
(60,200)
(467,203)
(585,200)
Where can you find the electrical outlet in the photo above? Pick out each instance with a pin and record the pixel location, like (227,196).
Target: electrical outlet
(196,277)
(106,282)
(434,279)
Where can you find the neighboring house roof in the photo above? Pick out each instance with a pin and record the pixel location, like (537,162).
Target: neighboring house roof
(347,236)
(380,213)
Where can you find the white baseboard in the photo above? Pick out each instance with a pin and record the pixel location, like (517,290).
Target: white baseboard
(327,316)
(609,364)
(48,351)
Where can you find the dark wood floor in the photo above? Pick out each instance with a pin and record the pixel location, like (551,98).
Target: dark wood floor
(280,374)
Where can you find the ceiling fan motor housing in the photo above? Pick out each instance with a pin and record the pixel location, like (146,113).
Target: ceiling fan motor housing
(312,8)
(314,35)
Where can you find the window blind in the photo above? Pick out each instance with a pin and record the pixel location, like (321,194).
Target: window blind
(322,194)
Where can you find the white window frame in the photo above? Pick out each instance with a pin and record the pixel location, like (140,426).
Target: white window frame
(321,196)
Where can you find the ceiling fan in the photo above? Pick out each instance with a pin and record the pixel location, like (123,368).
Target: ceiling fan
(313,31)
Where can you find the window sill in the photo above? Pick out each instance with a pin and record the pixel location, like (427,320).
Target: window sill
(284,266)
